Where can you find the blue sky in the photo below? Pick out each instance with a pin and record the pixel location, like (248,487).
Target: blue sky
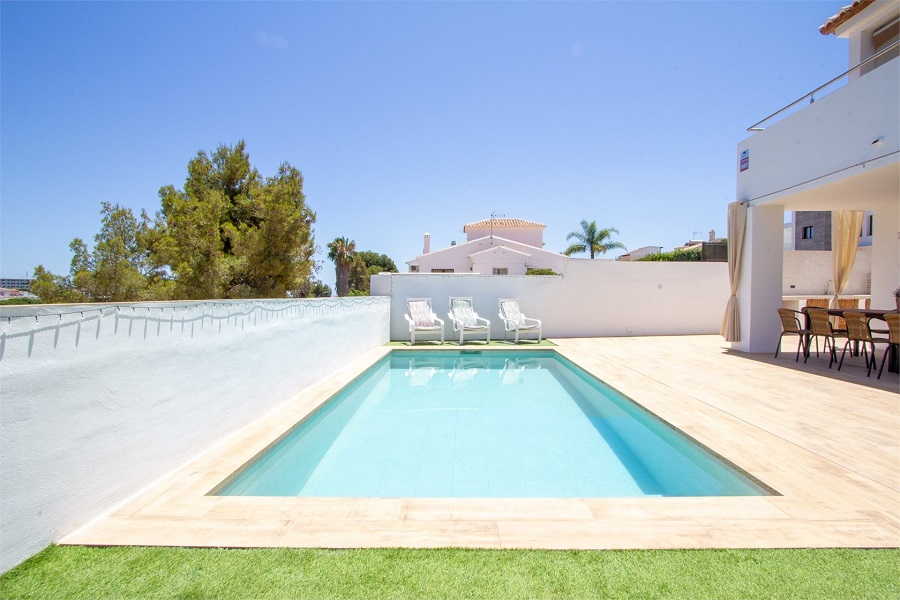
(404,118)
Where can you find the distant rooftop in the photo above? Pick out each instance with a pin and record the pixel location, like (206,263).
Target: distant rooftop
(488,223)
(847,13)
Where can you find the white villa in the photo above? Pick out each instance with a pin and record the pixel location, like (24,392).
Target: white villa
(493,247)
(639,253)
(837,152)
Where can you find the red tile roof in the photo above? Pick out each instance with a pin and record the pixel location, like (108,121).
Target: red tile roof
(488,223)
(847,13)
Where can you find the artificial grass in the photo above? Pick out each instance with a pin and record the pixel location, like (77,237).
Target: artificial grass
(425,345)
(61,572)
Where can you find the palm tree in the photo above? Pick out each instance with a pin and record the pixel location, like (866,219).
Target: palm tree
(590,239)
(342,251)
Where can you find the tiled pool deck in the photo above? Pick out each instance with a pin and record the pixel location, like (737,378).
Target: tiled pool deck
(829,443)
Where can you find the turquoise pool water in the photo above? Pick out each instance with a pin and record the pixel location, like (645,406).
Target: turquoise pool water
(484,425)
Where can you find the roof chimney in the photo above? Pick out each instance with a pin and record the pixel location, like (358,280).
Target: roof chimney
(712,235)
(427,244)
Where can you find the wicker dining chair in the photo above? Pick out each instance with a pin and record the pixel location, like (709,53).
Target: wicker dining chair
(858,332)
(837,323)
(790,325)
(840,324)
(821,327)
(893,321)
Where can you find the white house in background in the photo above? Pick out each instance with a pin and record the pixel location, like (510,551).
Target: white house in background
(696,244)
(841,152)
(640,253)
(492,247)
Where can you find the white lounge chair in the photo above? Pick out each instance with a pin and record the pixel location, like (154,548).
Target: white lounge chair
(421,319)
(465,319)
(514,321)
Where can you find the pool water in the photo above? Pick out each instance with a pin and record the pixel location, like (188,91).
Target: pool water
(484,425)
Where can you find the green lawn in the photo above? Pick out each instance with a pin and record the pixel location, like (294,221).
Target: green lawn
(128,572)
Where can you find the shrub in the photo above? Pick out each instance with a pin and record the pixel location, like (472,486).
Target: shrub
(675,256)
(541,272)
(19,300)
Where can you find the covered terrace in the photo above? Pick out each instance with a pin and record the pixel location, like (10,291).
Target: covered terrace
(839,153)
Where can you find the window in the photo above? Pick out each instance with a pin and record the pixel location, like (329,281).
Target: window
(501,271)
(808,232)
(442,270)
(871,224)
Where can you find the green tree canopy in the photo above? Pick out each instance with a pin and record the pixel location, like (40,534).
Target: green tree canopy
(230,233)
(54,289)
(118,268)
(367,263)
(591,239)
(358,282)
(373,259)
(317,289)
(312,288)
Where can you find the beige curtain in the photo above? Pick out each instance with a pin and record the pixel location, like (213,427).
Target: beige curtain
(845,227)
(737,224)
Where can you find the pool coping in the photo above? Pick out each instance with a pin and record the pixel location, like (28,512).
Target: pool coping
(832,496)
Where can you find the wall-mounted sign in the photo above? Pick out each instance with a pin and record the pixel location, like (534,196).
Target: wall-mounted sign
(745,160)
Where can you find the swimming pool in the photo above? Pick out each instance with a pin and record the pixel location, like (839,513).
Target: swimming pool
(496,424)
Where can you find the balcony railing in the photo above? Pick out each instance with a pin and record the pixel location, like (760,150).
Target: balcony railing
(812,95)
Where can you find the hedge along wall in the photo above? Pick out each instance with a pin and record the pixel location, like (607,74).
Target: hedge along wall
(97,401)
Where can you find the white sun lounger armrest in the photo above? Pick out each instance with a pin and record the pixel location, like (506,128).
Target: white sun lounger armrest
(512,324)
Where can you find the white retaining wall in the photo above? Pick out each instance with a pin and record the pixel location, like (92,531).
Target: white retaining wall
(96,405)
(592,297)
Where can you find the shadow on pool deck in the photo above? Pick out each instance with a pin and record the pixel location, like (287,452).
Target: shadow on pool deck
(852,371)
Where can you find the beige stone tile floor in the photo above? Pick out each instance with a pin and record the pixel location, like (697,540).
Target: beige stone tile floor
(827,442)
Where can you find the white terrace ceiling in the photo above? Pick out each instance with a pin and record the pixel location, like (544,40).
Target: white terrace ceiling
(866,190)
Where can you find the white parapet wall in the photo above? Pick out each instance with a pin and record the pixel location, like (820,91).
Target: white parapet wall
(592,298)
(98,401)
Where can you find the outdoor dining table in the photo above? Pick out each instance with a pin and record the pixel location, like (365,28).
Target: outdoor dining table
(870,313)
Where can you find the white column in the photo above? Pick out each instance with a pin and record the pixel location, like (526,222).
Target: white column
(759,296)
(885,254)
(857,49)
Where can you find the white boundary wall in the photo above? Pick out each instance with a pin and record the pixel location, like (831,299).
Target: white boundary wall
(592,298)
(96,405)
